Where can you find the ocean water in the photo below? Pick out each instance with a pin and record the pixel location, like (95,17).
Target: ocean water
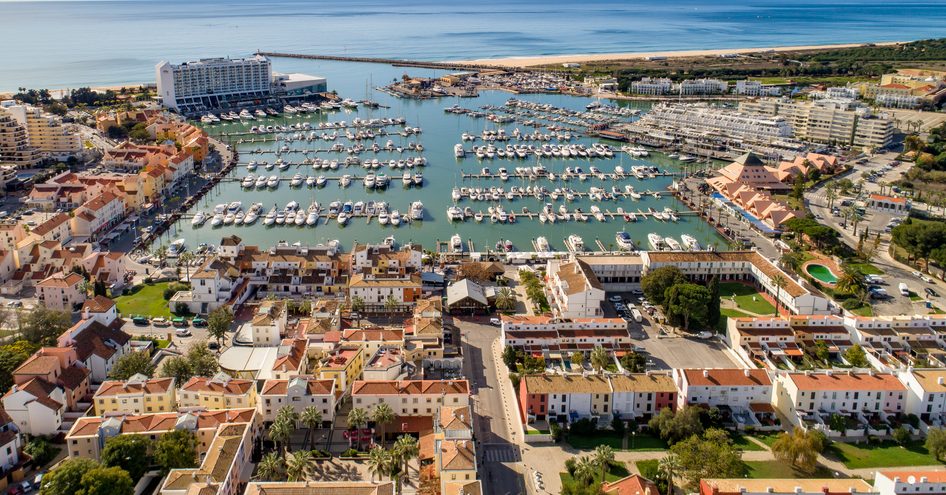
(72,43)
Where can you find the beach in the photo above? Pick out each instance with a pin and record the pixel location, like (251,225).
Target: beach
(532,61)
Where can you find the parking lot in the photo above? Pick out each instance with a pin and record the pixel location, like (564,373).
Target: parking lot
(665,348)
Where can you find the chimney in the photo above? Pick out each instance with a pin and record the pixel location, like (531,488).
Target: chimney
(769,489)
(939,380)
(825,490)
(705,373)
(922,479)
(746,372)
(829,373)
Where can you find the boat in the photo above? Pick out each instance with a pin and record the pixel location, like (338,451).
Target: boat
(673,244)
(454,213)
(272,182)
(345,181)
(406,179)
(418,179)
(576,242)
(478,216)
(542,244)
(690,243)
(342,218)
(300,217)
(296,180)
(199,219)
(369,180)
(456,243)
(270,217)
(624,240)
(176,248)
(320,181)
(686,158)
(389,241)
(395,218)
(248,181)
(656,241)
(458,150)
(417,210)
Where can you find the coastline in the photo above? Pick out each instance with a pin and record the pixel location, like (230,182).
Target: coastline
(532,61)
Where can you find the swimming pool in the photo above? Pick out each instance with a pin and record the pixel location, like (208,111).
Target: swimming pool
(822,273)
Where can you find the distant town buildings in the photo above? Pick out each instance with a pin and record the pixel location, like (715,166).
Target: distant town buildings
(836,122)
(28,135)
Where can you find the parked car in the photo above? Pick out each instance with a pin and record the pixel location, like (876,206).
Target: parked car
(160,322)
(199,322)
(182,332)
(179,322)
(139,320)
(930,292)
(615,298)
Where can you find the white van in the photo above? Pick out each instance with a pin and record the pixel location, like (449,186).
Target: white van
(637,315)
(904,290)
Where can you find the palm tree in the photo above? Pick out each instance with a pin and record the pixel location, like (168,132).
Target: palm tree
(289,417)
(390,304)
(584,470)
(406,448)
(379,462)
(270,467)
(311,417)
(185,259)
(599,358)
(851,280)
(357,306)
(669,466)
(505,299)
(357,418)
(603,457)
(279,432)
(382,415)
(298,465)
(778,281)
(831,193)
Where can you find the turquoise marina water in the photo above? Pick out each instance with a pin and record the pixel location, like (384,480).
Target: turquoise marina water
(441,131)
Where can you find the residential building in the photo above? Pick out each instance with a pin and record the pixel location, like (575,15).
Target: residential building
(87,436)
(909,481)
(98,341)
(652,86)
(15,149)
(268,325)
(634,484)
(769,341)
(36,407)
(640,396)
(564,398)
(57,367)
(136,395)
(343,365)
(387,363)
(228,461)
(62,291)
(827,121)
(324,488)
(468,297)
(804,486)
(574,290)
(213,83)
(730,387)
(756,88)
(690,120)
(219,392)
(926,394)
(808,398)
(411,397)
(689,87)
(300,393)
(45,132)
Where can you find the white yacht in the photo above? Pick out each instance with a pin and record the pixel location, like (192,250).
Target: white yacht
(272,182)
(320,181)
(458,150)
(576,242)
(395,218)
(690,243)
(456,243)
(624,241)
(656,241)
(249,181)
(345,181)
(296,180)
(542,244)
(270,217)
(199,219)
(417,210)
(176,248)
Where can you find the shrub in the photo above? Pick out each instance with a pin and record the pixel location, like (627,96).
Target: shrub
(350,453)
(583,426)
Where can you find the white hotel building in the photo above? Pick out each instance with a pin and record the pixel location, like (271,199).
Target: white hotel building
(205,84)
(699,120)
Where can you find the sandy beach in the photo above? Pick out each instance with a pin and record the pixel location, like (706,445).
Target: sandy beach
(598,57)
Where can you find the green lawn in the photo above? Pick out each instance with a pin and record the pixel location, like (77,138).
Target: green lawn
(744,298)
(639,442)
(767,438)
(865,310)
(725,315)
(147,301)
(617,471)
(781,470)
(742,442)
(915,297)
(867,268)
(882,454)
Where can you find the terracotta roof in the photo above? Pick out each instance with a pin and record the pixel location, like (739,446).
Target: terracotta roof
(760,262)
(932,476)
(456,418)
(47,226)
(61,281)
(827,486)
(73,377)
(38,365)
(727,377)
(98,304)
(229,386)
(929,380)
(457,455)
(643,382)
(845,381)
(88,425)
(100,340)
(321,488)
(578,276)
(313,386)
(575,384)
(408,387)
(151,386)
(634,484)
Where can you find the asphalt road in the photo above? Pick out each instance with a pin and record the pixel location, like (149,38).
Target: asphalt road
(500,460)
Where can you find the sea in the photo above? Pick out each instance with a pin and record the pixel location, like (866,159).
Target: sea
(68,44)
(63,44)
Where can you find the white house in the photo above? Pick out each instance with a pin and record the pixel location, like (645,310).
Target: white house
(723,387)
(804,394)
(926,394)
(573,289)
(300,392)
(36,407)
(909,482)
(269,323)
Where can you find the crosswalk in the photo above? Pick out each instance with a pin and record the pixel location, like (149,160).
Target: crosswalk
(501,453)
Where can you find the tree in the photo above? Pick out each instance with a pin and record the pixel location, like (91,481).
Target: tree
(505,299)
(798,187)
(66,478)
(510,356)
(186,258)
(656,283)
(39,449)
(357,304)
(312,418)
(600,358)
(799,448)
(689,302)
(578,358)
(405,449)
(357,418)
(851,280)
(202,362)
(391,304)
(133,363)
(821,351)
(382,415)
(129,452)
(856,356)
(709,456)
(634,362)
(675,426)
(778,281)
(270,467)
(106,481)
(11,357)
(713,314)
(279,432)
(831,194)
(669,466)
(603,457)
(936,443)
(178,368)
(901,435)
(176,449)
(837,422)
(379,462)
(42,325)
(298,465)
(219,321)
